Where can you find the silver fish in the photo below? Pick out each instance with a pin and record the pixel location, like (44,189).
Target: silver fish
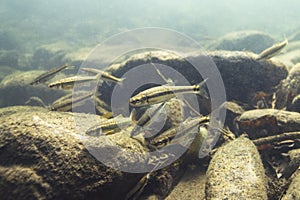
(48,75)
(67,102)
(68,83)
(164,93)
(104,75)
(110,126)
(187,126)
(272,51)
(150,115)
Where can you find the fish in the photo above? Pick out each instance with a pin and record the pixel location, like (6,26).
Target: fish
(149,116)
(182,131)
(48,75)
(67,102)
(164,93)
(272,51)
(104,75)
(110,126)
(68,83)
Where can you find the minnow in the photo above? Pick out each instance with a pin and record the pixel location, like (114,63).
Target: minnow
(164,93)
(187,126)
(68,83)
(48,75)
(272,51)
(149,116)
(67,102)
(104,75)
(109,126)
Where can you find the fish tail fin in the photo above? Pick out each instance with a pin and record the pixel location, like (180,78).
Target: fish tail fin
(201,89)
(120,82)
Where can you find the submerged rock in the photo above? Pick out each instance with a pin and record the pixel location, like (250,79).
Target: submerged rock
(266,122)
(78,57)
(254,41)
(233,111)
(5,71)
(236,172)
(295,105)
(43,156)
(191,185)
(239,70)
(22,182)
(15,89)
(290,58)
(288,89)
(49,55)
(293,193)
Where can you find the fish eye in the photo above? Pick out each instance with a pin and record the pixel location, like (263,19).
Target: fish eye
(134,101)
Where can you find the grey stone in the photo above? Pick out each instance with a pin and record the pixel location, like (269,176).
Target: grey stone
(236,172)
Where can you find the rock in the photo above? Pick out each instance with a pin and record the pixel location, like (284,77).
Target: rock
(239,70)
(294,163)
(254,41)
(233,110)
(18,178)
(293,193)
(50,55)
(5,71)
(236,172)
(15,89)
(78,57)
(290,58)
(47,151)
(288,89)
(267,122)
(191,185)
(295,105)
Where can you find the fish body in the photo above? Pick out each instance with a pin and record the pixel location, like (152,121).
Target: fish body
(272,51)
(109,126)
(67,102)
(147,118)
(48,75)
(103,75)
(187,127)
(68,83)
(164,93)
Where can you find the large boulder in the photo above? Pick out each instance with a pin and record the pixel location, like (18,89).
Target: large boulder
(5,71)
(44,156)
(49,55)
(239,70)
(236,172)
(15,89)
(254,41)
